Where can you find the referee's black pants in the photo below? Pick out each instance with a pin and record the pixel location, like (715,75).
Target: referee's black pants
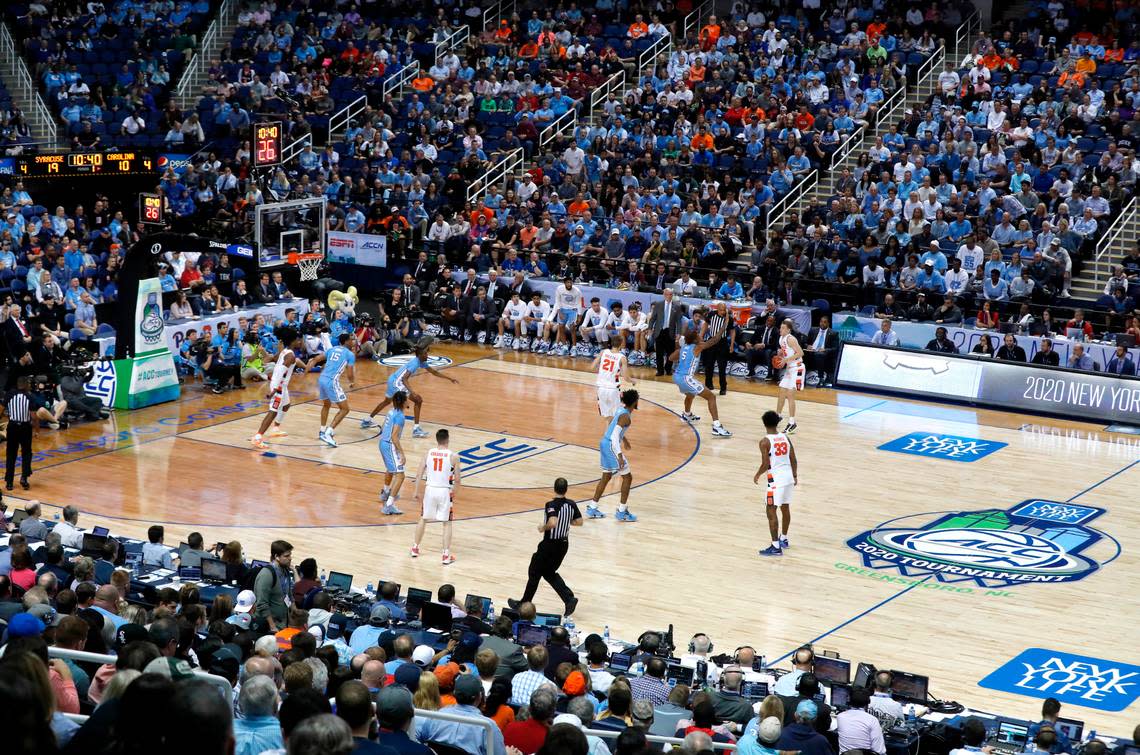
(19,443)
(716,358)
(544,564)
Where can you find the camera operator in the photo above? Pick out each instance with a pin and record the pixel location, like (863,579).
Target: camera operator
(411,324)
(71,385)
(316,332)
(372,343)
(223,363)
(191,354)
(50,405)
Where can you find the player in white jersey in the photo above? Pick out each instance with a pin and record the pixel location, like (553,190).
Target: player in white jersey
(779,470)
(594,326)
(639,330)
(278,393)
(440,473)
(567,306)
(513,317)
(540,319)
(617,323)
(791,358)
(611,366)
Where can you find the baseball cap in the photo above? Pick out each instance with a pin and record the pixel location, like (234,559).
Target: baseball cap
(575,683)
(806,709)
(567,718)
(174,669)
(380,615)
(45,613)
(245,601)
(769,730)
(446,675)
(422,655)
(468,685)
(407,676)
(241,620)
(394,701)
(25,625)
(128,633)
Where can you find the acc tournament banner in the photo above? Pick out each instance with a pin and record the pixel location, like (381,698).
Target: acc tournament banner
(149,326)
(357,249)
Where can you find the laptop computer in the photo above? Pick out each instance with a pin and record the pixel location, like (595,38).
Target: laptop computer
(1127,340)
(213,570)
(93,545)
(417,597)
(864,675)
(484,601)
(190,573)
(100,531)
(529,635)
(1071,728)
(754,690)
(338,582)
(548,619)
(677,674)
(435,616)
(840,696)
(1009,738)
(621,661)
(255,564)
(909,687)
(832,670)
(1075,334)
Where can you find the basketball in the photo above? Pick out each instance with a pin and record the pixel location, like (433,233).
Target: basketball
(778,362)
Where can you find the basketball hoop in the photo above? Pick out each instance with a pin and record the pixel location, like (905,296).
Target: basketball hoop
(307,264)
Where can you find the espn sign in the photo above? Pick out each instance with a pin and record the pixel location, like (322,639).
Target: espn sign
(357,249)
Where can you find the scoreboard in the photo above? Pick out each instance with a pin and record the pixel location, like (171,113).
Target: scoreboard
(46,165)
(267,144)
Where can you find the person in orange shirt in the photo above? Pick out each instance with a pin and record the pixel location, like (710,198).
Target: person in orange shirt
(992,61)
(423,82)
(503,33)
(529,50)
(1010,61)
(1114,55)
(709,34)
(578,206)
(697,72)
(638,28)
(1085,64)
(1069,78)
(483,210)
(803,119)
(701,140)
(875,30)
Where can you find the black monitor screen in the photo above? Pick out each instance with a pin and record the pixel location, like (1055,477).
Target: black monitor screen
(832,670)
(548,619)
(483,601)
(93,545)
(533,634)
(909,686)
(416,598)
(339,580)
(863,675)
(679,675)
(840,696)
(621,661)
(190,573)
(754,690)
(436,616)
(213,570)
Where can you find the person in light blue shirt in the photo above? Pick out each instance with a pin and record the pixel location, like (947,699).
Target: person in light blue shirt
(469,738)
(885,336)
(258,729)
(935,257)
(929,279)
(995,288)
(154,553)
(730,289)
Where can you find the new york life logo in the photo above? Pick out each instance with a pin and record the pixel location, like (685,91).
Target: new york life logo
(1035,541)
(952,447)
(1072,679)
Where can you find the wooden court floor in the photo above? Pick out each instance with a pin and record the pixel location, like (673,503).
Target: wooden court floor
(520,421)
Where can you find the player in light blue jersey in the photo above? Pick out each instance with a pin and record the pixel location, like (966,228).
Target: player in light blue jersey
(393,454)
(686,355)
(398,382)
(614,462)
(337,361)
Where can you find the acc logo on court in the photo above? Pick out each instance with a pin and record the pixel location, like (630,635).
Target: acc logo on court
(1035,541)
(399,360)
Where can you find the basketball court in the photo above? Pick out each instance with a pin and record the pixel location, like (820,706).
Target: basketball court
(933,539)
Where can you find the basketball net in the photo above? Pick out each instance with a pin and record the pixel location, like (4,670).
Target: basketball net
(308,267)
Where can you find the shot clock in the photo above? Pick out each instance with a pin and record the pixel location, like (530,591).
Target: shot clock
(267,145)
(150,209)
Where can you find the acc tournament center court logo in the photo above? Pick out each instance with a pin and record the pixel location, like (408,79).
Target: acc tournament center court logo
(1035,541)
(399,360)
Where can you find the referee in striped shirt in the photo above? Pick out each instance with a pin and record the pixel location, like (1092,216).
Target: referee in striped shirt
(561,515)
(20,407)
(716,324)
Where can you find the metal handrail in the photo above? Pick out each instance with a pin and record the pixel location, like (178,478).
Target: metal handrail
(344,116)
(663,45)
(291,150)
(788,202)
(611,734)
(496,11)
(962,36)
(693,20)
(457,37)
(1110,237)
(102,658)
(847,147)
(487,725)
(40,116)
(200,61)
(558,127)
(887,114)
(395,84)
(927,73)
(615,83)
(497,172)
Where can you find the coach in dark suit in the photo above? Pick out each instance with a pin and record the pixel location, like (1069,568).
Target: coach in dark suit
(482,315)
(821,349)
(664,325)
(18,340)
(519,286)
(763,344)
(411,292)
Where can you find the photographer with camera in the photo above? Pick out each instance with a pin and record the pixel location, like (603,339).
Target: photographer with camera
(223,363)
(71,383)
(373,344)
(46,395)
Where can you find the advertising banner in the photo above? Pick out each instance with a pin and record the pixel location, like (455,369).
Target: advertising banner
(149,326)
(357,249)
